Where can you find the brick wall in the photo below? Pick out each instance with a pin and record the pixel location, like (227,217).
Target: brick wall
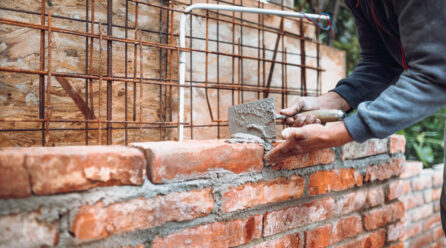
(214,194)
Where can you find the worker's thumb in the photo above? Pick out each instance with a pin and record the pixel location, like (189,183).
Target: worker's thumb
(293,109)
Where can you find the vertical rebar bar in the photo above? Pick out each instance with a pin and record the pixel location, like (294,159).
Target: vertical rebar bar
(48,109)
(42,67)
(109,71)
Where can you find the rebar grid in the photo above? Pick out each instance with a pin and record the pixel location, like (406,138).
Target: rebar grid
(144,39)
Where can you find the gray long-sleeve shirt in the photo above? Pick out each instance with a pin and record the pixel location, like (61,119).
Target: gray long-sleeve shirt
(401,77)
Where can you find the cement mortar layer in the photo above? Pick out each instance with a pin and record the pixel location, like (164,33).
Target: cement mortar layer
(239,138)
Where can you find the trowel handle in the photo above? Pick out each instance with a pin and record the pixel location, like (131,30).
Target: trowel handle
(325,115)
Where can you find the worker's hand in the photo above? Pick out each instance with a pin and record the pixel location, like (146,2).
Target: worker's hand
(308,138)
(302,104)
(330,100)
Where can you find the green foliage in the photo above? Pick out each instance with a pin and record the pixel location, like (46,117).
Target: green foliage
(425,139)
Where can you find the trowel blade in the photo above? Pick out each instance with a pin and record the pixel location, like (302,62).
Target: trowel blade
(256,118)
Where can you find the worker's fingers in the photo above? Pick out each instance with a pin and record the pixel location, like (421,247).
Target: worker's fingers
(293,109)
(301,120)
(278,153)
(295,133)
(311,119)
(289,121)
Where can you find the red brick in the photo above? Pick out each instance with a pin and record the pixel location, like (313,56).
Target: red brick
(437,206)
(411,231)
(320,237)
(332,233)
(322,182)
(438,233)
(288,218)
(422,182)
(137,246)
(437,177)
(411,168)
(14,178)
(371,240)
(395,231)
(359,200)
(384,171)
(371,147)
(406,187)
(421,212)
(176,161)
(324,156)
(215,235)
(348,227)
(98,221)
(258,193)
(413,200)
(65,169)
(288,241)
(398,245)
(27,230)
(437,244)
(396,189)
(382,216)
(397,144)
(432,221)
(422,241)
(436,194)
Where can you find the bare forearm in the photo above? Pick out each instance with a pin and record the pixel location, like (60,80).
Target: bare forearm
(333,100)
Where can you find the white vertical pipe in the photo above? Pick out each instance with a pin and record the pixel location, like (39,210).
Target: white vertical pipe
(226,8)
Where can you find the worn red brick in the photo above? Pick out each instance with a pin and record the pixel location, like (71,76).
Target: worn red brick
(258,193)
(323,156)
(322,182)
(411,231)
(14,178)
(421,212)
(437,206)
(289,241)
(27,230)
(436,194)
(357,200)
(437,177)
(411,168)
(438,233)
(413,200)
(432,221)
(348,227)
(176,161)
(64,169)
(137,246)
(215,235)
(384,171)
(332,233)
(98,221)
(320,237)
(371,147)
(422,241)
(288,218)
(398,245)
(371,240)
(397,144)
(382,216)
(395,231)
(396,189)
(421,182)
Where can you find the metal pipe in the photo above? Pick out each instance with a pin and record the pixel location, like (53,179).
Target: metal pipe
(182,69)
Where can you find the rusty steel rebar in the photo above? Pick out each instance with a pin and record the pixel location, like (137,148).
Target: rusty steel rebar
(135,121)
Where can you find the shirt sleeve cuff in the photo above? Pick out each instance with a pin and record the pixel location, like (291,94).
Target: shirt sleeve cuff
(349,93)
(357,128)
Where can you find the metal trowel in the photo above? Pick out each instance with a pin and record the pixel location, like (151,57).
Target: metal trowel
(259,118)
